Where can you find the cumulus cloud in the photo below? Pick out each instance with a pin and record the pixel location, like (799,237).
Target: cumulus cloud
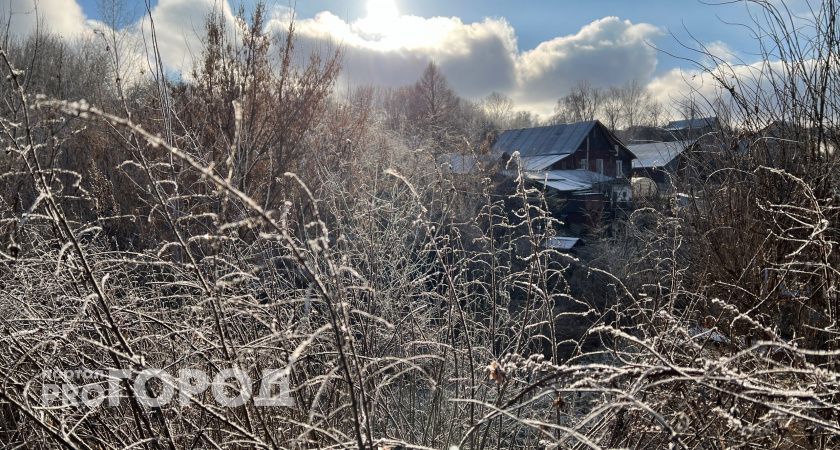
(61,17)
(606,52)
(481,57)
(65,18)
(391,49)
(755,83)
(179,26)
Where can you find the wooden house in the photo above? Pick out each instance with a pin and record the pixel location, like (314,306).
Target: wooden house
(583,162)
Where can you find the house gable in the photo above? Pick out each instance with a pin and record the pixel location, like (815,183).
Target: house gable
(601,152)
(583,145)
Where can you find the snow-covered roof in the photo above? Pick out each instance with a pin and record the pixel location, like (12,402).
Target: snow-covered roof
(582,176)
(529,163)
(561,242)
(700,333)
(656,154)
(460,163)
(566,185)
(568,180)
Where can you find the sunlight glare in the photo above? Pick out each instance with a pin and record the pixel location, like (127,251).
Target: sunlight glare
(382,13)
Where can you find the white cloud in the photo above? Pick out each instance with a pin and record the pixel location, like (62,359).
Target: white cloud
(481,57)
(756,84)
(606,52)
(390,49)
(63,17)
(476,57)
(718,51)
(179,26)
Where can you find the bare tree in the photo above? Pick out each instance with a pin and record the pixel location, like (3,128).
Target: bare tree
(433,107)
(523,119)
(499,109)
(613,109)
(584,102)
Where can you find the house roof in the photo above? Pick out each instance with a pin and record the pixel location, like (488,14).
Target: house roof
(529,163)
(566,185)
(568,180)
(561,242)
(460,163)
(657,154)
(700,122)
(561,139)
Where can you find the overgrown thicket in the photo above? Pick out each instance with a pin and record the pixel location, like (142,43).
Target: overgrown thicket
(249,218)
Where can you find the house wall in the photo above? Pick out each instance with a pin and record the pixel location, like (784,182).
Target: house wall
(600,147)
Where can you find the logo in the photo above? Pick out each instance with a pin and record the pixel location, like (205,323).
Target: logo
(229,388)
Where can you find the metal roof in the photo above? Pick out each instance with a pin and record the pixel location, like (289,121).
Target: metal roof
(656,154)
(565,185)
(581,176)
(568,180)
(561,242)
(561,139)
(460,163)
(539,162)
(700,122)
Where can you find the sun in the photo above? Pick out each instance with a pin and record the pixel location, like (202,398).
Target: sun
(381,14)
(386,27)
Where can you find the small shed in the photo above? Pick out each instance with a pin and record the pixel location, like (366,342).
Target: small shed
(658,160)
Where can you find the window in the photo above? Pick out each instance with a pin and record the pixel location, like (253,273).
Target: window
(584,164)
(599,166)
(619,168)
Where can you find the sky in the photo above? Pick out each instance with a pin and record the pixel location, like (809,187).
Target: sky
(533,51)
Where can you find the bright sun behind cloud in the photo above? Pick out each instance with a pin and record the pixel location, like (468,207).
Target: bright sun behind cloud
(382,12)
(383,21)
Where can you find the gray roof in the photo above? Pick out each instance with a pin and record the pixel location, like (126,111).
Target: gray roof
(568,180)
(529,163)
(702,333)
(561,242)
(561,139)
(656,154)
(700,122)
(460,163)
